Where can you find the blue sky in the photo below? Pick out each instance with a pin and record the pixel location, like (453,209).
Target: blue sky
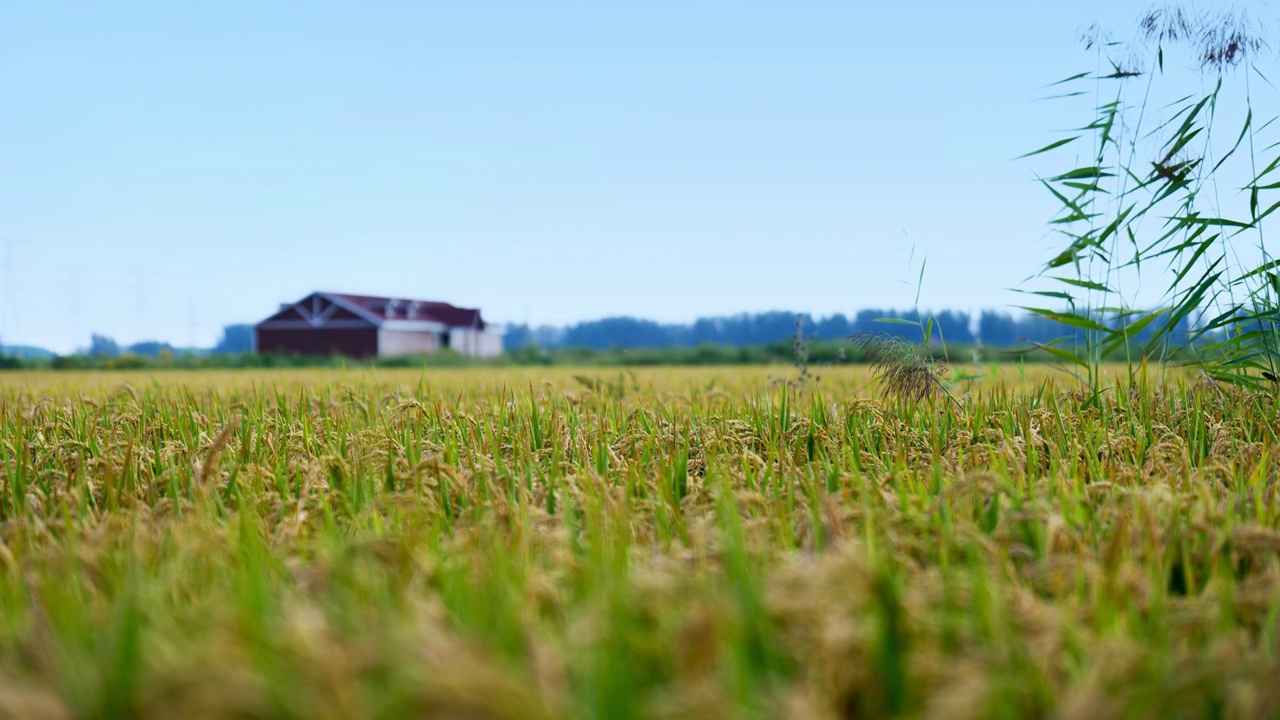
(168,168)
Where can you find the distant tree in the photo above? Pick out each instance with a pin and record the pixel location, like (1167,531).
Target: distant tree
(150,348)
(873,320)
(954,326)
(518,337)
(103,346)
(1032,328)
(236,340)
(623,332)
(833,328)
(706,331)
(997,329)
(547,336)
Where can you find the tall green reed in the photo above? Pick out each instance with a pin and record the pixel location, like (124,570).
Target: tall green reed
(1164,188)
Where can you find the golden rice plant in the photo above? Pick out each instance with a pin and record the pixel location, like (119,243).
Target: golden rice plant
(694,543)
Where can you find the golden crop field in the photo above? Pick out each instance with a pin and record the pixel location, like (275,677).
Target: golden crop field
(677,543)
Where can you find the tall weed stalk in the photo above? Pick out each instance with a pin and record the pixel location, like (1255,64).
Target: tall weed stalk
(1173,195)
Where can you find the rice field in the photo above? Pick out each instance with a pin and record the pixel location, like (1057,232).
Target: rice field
(677,543)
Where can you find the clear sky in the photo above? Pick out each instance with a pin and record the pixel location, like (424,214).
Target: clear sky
(168,168)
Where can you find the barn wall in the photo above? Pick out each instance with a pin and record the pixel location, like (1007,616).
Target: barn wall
(351,342)
(406,342)
(476,343)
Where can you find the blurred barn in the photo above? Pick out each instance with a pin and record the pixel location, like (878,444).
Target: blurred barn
(365,326)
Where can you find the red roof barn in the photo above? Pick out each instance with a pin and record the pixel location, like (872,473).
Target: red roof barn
(365,326)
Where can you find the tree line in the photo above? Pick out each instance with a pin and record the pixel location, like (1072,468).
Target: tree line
(994,329)
(989,327)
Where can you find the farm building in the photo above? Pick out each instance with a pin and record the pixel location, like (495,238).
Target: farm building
(363,326)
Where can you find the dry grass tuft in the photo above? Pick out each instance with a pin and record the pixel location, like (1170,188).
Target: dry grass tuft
(905,370)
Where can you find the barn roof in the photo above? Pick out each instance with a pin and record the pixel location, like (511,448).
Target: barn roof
(329,309)
(388,308)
